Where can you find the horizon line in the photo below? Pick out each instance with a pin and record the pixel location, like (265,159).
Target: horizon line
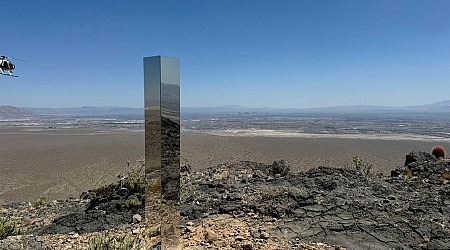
(234,106)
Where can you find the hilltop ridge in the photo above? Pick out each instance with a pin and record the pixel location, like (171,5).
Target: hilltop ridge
(11,111)
(248,205)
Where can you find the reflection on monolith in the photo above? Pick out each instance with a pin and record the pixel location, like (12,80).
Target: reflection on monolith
(162,148)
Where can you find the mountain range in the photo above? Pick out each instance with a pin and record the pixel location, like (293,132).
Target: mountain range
(11,111)
(437,107)
(89,111)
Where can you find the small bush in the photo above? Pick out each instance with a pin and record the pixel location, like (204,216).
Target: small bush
(186,187)
(8,228)
(130,187)
(108,241)
(280,167)
(362,166)
(136,174)
(132,202)
(39,202)
(438,152)
(408,173)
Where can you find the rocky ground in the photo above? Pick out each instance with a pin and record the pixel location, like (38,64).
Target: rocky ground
(249,205)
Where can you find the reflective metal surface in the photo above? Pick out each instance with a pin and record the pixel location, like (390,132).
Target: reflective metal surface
(162,148)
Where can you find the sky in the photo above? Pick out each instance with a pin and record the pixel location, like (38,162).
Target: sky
(256,53)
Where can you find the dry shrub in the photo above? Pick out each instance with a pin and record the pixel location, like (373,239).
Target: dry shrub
(280,167)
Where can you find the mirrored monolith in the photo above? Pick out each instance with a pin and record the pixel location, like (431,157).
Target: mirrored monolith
(162,148)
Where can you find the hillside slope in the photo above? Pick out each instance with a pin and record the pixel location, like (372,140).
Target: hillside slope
(10,111)
(248,205)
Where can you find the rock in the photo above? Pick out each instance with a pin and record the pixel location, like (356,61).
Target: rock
(264,235)
(415,156)
(332,205)
(137,218)
(322,203)
(425,166)
(210,236)
(185,168)
(239,238)
(190,229)
(247,247)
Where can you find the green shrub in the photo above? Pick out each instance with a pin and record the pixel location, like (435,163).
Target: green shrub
(8,228)
(362,166)
(39,202)
(108,241)
(133,201)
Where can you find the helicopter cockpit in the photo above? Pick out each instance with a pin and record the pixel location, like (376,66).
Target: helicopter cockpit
(7,65)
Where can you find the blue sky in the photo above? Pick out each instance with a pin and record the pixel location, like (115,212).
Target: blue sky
(252,53)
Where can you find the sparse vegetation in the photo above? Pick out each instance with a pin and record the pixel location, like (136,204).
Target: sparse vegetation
(409,173)
(186,187)
(360,165)
(133,201)
(438,152)
(446,175)
(39,202)
(130,188)
(8,228)
(135,176)
(109,241)
(280,167)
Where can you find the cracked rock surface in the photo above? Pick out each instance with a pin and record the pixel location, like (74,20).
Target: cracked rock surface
(340,207)
(247,205)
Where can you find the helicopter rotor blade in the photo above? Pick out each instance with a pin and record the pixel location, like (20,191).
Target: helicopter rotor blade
(17,59)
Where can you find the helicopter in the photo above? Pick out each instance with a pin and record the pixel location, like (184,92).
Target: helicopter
(6,65)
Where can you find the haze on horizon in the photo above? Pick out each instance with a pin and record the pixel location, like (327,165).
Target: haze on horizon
(439,106)
(290,54)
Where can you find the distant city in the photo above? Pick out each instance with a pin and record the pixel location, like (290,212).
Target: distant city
(427,120)
(430,120)
(422,124)
(67,118)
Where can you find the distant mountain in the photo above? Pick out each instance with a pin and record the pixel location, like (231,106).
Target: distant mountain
(89,111)
(443,106)
(222,109)
(10,111)
(437,106)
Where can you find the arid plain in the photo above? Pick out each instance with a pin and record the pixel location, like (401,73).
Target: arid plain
(302,153)
(59,163)
(62,163)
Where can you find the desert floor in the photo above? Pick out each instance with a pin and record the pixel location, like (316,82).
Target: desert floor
(302,153)
(57,164)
